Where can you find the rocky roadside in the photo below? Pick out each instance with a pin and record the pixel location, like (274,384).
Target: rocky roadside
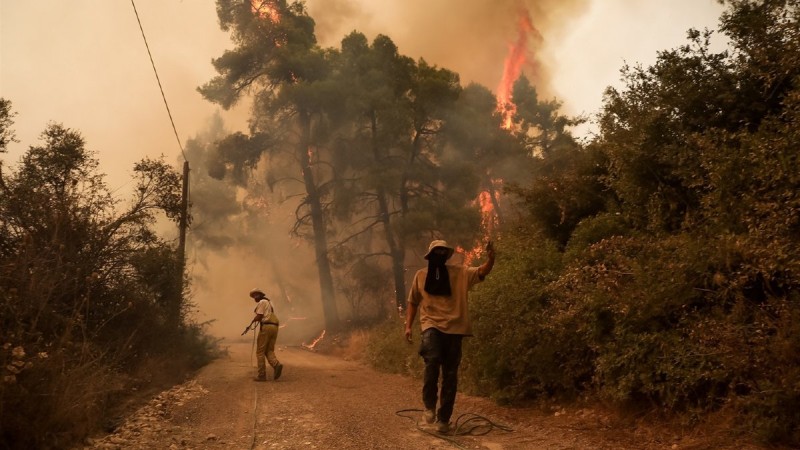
(149,427)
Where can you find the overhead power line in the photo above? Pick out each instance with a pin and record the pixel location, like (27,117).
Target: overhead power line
(159,81)
(184,218)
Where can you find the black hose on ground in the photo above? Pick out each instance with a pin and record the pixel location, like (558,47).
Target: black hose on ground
(467,424)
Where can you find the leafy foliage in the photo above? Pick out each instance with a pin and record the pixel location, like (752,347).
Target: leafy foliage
(6,121)
(88,293)
(507,311)
(657,265)
(388,350)
(379,153)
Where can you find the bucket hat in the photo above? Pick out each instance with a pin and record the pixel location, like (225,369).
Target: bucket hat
(439,244)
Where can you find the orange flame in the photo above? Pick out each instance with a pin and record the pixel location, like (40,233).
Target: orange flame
(489,222)
(516,59)
(314,342)
(265,10)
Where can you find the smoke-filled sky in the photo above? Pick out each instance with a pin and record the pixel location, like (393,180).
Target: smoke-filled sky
(83,63)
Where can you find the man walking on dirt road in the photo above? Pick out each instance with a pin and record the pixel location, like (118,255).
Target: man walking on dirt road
(440,294)
(267,335)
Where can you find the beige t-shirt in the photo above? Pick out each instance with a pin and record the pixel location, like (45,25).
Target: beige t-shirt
(447,314)
(264,307)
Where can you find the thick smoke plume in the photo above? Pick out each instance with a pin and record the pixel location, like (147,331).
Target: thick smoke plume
(471,38)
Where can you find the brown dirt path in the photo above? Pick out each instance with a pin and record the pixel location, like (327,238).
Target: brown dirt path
(326,402)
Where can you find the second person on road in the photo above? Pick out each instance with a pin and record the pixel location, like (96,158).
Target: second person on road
(267,336)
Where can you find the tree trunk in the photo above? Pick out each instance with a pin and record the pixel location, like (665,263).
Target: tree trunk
(318,225)
(395,251)
(397,255)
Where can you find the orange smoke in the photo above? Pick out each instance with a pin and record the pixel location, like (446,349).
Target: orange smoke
(515,61)
(265,10)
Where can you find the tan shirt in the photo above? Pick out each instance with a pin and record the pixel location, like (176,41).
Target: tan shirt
(448,314)
(264,307)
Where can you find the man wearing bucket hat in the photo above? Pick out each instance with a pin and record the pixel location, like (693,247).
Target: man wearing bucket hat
(267,335)
(439,293)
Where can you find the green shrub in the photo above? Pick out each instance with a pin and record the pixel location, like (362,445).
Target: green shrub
(687,324)
(514,355)
(387,349)
(593,230)
(56,399)
(88,295)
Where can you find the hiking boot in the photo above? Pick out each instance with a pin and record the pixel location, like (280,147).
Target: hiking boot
(429,416)
(278,369)
(443,427)
(260,378)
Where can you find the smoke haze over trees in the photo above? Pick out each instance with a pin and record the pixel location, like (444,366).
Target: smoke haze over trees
(653,265)
(390,153)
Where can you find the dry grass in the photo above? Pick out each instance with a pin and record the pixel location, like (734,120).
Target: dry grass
(348,345)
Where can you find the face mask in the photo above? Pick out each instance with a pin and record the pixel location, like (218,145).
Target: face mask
(437,260)
(437,281)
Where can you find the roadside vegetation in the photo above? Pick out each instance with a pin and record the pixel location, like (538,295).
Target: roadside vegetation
(657,266)
(93,304)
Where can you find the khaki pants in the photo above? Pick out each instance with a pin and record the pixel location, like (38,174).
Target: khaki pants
(265,349)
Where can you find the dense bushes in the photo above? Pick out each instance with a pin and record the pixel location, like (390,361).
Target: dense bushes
(680,294)
(92,302)
(677,325)
(506,315)
(388,350)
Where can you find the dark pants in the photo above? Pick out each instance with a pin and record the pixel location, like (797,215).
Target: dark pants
(440,351)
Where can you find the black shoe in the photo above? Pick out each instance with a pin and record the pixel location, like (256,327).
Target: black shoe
(278,370)
(260,378)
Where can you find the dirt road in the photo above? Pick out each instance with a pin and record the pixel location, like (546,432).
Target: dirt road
(325,402)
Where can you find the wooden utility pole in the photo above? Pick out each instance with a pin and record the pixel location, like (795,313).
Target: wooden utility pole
(184,215)
(183,224)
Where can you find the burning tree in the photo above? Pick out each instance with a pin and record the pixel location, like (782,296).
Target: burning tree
(276,59)
(392,140)
(391,152)
(362,125)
